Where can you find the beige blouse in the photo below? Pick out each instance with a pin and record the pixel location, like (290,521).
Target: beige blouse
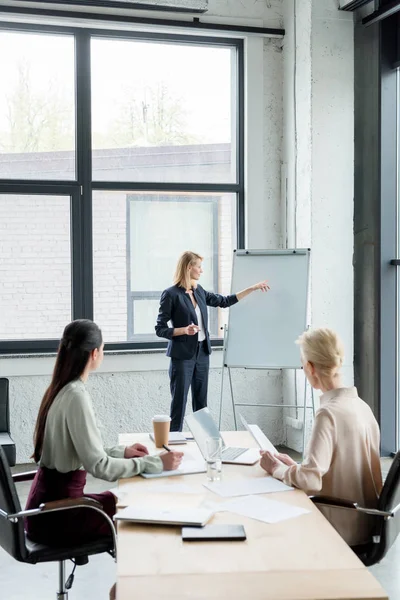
(342,460)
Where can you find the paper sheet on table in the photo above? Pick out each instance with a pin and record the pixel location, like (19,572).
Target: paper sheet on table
(187,467)
(176,488)
(247,487)
(122,492)
(262,509)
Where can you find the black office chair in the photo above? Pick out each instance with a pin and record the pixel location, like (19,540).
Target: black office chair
(15,541)
(387,515)
(6,440)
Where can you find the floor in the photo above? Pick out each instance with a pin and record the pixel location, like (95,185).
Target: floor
(93,581)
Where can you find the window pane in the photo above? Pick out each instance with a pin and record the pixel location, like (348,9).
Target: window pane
(163,112)
(35,266)
(138,238)
(37,106)
(143,312)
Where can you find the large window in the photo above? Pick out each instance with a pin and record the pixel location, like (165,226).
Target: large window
(117,153)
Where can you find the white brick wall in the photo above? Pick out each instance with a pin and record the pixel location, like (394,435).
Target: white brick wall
(110,264)
(35,268)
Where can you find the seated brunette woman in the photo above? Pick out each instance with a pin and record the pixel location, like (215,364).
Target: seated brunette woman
(342,459)
(68,443)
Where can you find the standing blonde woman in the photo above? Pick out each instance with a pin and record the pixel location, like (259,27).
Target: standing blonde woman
(185,306)
(342,459)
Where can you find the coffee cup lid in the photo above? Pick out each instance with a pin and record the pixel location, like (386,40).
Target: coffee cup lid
(161,418)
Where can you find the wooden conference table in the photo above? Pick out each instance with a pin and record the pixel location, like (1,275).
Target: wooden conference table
(298,559)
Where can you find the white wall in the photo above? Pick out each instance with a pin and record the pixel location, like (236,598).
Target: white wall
(129,389)
(126,401)
(318,157)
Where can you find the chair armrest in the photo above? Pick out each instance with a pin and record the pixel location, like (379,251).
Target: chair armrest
(339,503)
(67,504)
(70,503)
(26,476)
(332,501)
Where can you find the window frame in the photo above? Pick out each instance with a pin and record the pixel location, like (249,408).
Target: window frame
(389,274)
(82,4)
(82,187)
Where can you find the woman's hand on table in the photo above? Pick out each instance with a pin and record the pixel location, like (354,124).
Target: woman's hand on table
(136,451)
(171,460)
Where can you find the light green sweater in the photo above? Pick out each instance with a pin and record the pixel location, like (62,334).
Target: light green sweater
(72,440)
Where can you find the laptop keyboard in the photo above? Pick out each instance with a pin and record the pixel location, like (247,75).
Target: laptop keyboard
(232,453)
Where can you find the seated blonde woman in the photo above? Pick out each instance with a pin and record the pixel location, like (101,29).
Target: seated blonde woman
(342,459)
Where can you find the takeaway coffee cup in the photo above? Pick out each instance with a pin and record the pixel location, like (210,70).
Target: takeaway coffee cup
(161,424)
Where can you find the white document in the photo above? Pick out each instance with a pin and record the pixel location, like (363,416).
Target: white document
(187,467)
(123,491)
(263,509)
(246,487)
(259,436)
(176,488)
(262,439)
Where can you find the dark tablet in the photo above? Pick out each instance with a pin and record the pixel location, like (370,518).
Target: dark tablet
(213,533)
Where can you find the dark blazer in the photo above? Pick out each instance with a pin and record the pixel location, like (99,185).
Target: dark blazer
(177,307)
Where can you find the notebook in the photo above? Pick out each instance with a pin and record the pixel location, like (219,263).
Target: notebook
(193,517)
(174,437)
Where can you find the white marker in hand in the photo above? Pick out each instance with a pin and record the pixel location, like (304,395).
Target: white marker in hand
(193,329)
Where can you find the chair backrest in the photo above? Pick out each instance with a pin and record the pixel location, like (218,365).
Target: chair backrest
(388,529)
(12,535)
(4,406)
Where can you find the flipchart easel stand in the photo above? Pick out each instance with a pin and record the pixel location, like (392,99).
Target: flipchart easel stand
(296,406)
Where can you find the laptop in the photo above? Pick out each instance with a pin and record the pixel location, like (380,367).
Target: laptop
(202,426)
(259,436)
(190,517)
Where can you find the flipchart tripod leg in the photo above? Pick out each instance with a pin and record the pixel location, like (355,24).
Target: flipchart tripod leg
(233,400)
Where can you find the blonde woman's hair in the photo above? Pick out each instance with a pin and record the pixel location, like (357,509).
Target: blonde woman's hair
(186,260)
(324,349)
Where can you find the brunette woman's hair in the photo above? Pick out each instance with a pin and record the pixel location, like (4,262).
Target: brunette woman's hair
(79,340)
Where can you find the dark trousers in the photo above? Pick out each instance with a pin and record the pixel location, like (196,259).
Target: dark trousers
(184,374)
(67,527)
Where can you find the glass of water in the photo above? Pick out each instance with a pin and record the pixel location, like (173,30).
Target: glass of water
(214,458)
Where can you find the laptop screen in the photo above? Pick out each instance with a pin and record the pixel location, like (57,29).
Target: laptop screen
(202,426)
